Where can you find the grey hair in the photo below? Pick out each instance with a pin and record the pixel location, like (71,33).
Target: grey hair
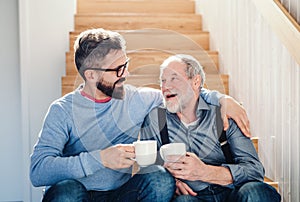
(193,66)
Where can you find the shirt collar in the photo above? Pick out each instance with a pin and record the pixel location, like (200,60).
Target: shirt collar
(202,105)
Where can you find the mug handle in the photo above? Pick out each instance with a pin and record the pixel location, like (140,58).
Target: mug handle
(161,153)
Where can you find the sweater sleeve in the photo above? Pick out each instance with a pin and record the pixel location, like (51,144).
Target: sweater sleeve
(151,97)
(211,97)
(49,165)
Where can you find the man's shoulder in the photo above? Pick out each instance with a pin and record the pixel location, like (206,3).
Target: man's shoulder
(66,98)
(64,102)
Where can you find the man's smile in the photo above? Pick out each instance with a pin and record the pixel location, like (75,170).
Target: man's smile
(170,96)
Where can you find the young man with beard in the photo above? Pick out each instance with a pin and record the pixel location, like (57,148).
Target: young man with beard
(84,151)
(203,174)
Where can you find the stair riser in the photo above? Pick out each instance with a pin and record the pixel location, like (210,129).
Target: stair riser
(165,41)
(174,6)
(129,22)
(209,60)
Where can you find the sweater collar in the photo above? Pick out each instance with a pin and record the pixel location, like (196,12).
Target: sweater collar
(105,100)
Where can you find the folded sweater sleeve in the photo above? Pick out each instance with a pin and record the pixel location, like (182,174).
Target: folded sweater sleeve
(211,97)
(48,163)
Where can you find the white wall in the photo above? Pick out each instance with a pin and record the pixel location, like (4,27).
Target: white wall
(266,78)
(10,110)
(44,30)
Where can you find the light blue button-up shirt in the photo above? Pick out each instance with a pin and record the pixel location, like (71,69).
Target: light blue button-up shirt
(201,138)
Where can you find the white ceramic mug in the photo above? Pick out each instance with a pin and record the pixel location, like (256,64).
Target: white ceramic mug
(145,152)
(172,152)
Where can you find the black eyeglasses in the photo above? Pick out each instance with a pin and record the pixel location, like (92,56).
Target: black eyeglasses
(119,69)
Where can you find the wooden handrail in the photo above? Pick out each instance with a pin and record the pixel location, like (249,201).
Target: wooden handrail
(288,15)
(281,25)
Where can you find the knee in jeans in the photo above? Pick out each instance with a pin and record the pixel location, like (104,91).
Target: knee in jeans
(161,180)
(258,190)
(185,198)
(67,190)
(72,186)
(163,177)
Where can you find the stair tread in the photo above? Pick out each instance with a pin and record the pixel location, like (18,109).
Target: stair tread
(111,14)
(272,183)
(136,5)
(153,38)
(141,58)
(130,21)
(149,31)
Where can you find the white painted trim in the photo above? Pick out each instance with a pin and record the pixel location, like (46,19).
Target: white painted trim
(24,71)
(282,26)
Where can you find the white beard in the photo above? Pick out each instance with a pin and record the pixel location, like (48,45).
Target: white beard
(181,102)
(173,107)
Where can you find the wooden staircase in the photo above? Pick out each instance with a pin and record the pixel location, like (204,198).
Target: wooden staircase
(153,30)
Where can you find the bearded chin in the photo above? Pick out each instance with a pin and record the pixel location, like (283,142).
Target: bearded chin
(173,107)
(111,91)
(118,92)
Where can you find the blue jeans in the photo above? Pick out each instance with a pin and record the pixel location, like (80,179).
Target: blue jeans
(158,185)
(248,192)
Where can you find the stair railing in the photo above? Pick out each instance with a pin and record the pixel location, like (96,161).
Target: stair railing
(291,8)
(281,25)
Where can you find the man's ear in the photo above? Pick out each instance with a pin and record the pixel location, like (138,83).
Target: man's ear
(197,81)
(89,75)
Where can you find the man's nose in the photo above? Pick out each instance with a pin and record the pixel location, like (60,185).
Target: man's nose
(166,85)
(126,73)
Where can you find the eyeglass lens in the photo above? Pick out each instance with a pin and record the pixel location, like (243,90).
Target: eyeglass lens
(121,69)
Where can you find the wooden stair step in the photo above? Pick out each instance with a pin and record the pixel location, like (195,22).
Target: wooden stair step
(255,143)
(214,82)
(129,21)
(141,58)
(272,183)
(266,179)
(135,6)
(219,82)
(160,39)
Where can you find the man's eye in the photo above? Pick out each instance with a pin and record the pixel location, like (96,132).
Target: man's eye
(173,78)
